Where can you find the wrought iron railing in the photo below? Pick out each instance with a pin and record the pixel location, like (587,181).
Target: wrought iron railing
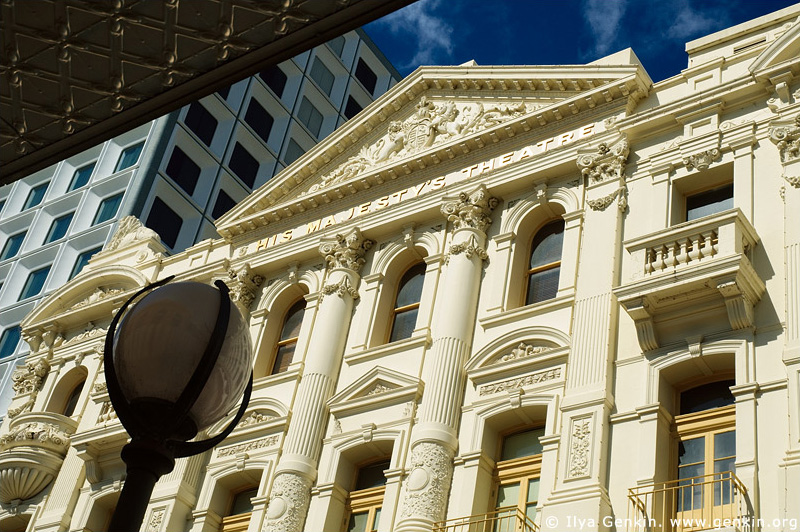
(510,519)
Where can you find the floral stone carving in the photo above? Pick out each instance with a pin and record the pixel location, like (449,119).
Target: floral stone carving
(469,248)
(288,504)
(608,162)
(432,123)
(346,251)
(787,139)
(39,433)
(29,378)
(702,160)
(428,483)
(472,209)
(129,231)
(579,448)
(524,350)
(243,284)
(342,288)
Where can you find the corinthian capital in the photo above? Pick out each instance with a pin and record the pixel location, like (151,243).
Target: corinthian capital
(346,250)
(473,209)
(605,162)
(787,139)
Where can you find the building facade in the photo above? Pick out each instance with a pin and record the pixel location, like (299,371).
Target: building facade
(499,298)
(178,173)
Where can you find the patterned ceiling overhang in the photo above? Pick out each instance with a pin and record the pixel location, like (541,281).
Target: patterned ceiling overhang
(74,73)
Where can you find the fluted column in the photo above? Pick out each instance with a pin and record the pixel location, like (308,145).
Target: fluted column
(427,485)
(291,489)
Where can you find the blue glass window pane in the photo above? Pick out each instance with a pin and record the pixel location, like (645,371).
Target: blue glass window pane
(35,196)
(35,283)
(129,157)
(366,76)
(259,119)
(522,444)
(293,152)
(12,246)
(201,122)
(9,341)
(310,116)
(323,76)
(244,165)
(59,228)
(83,260)
(81,176)
(108,209)
(709,202)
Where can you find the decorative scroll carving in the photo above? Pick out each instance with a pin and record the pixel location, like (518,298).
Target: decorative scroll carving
(97,295)
(702,160)
(129,231)
(468,248)
(600,204)
(156,518)
(255,418)
(737,303)
(347,251)
(27,407)
(521,382)
(39,432)
(472,209)
(524,350)
(28,379)
(787,139)
(90,332)
(608,162)
(243,284)
(580,444)
(433,123)
(428,483)
(340,289)
(249,446)
(792,180)
(288,504)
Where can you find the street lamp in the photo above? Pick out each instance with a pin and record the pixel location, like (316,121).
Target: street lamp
(176,365)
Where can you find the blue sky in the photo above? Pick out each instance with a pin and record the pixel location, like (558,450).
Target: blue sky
(555,32)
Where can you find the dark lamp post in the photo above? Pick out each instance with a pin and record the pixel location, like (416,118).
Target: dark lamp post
(176,363)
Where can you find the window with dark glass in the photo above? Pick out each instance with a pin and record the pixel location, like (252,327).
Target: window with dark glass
(72,400)
(59,228)
(366,76)
(223,93)
(34,283)
(406,305)
(108,209)
(352,108)
(129,157)
(323,76)
(288,339)
(244,165)
(83,260)
(366,498)
(709,202)
(223,204)
(9,341)
(259,119)
(183,170)
(337,45)
(12,245)
(81,176)
(2,204)
(164,221)
(293,152)
(201,122)
(35,196)
(310,116)
(545,263)
(517,473)
(241,508)
(275,79)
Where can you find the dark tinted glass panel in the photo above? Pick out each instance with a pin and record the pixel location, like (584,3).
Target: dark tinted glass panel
(224,92)
(709,202)
(542,285)
(410,289)
(35,283)
(371,476)
(59,228)
(293,152)
(11,248)
(243,165)
(294,318)
(108,209)
(35,196)
(366,76)
(283,358)
(706,397)
(129,157)
(183,170)
(2,204)
(83,260)
(310,116)
(404,323)
(223,204)
(323,76)
(9,341)
(275,79)
(352,108)
(72,401)
(522,444)
(241,502)
(547,243)
(164,221)
(201,122)
(337,45)
(81,176)
(259,119)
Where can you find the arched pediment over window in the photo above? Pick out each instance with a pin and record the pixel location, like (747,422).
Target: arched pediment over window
(782,50)
(521,343)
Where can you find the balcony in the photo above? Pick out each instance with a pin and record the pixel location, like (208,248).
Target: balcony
(510,519)
(697,264)
(31,453)
(715,501)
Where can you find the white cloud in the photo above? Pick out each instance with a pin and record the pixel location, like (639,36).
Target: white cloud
(604,18)
(417,23)
(689,22)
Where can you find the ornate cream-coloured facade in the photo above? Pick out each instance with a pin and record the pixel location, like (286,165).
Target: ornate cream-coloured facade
(555,298)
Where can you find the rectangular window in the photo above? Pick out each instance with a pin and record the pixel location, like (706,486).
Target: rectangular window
(243,165)
(129,157)
(201,122)
(293,152)
(323,76)
(81,176)
(183,170)
(59,228)
(2,204)
(108,209)
(35,196)
(709,202)
(164,221)
(223,93)
(259,119)
(366,76)
(310,116)
(12,246)
(223,204)
(352,108)
(275,79)
(83,260)
(337,45)
(9,341)
(35,283)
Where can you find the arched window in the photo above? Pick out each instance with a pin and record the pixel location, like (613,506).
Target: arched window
(72,399)
(406,305)
(545,263)
(517,476)
(288,340)
(240,510)
(366,497)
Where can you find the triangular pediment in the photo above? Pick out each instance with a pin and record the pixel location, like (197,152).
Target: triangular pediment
(378,386)
(435,114)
